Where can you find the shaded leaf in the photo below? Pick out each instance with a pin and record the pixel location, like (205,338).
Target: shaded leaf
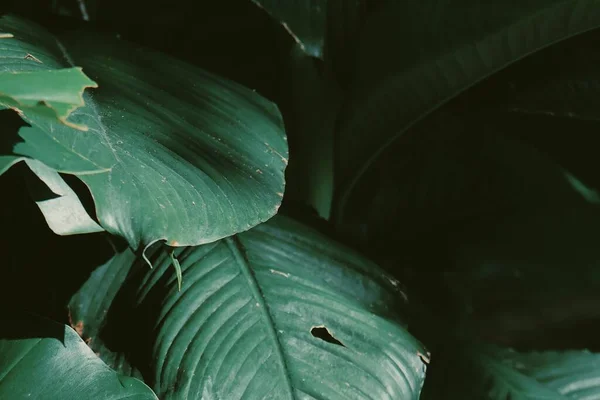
(41,359)
(306,22)
(188,160)
(440,58)
(486,372)
(279,311)
(505,221)
(89,307)
(314,101)
(321,28)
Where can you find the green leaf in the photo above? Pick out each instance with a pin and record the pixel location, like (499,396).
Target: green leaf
(313,105)
(445,47)
(41,359)
(64,214)
(493,373)
(48,93)
(504,219)
(187,157)
(280,311)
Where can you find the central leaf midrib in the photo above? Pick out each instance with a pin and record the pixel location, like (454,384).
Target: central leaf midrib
(235,248)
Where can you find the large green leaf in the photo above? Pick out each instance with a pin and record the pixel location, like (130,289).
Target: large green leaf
(41,359)
(280,312)
(486,372)
(189,157)
(415,56)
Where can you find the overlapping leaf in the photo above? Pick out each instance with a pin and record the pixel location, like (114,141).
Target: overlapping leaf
(503,184)
(415,56)
(279,312)
(314,101)
(184,156)
(41,359)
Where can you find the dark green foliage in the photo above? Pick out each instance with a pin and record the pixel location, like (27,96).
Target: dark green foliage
(441,203)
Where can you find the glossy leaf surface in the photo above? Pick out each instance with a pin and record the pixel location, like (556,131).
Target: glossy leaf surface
(280,311)
(189,159)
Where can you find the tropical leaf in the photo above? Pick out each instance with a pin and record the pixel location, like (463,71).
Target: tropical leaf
(188,160)
(310,118)
(446,47)
(280,311)
(493,373)
(41,359)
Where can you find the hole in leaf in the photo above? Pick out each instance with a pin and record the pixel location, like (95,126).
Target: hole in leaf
(323,333)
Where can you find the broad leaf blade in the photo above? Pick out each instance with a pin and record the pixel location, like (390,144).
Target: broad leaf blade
(189,159)
(278,311)
(502,183)
(438,62)
(41,359)
(313,102)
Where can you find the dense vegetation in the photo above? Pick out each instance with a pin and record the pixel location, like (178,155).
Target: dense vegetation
(269,199)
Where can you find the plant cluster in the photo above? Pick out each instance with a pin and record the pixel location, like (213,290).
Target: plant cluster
(275,199)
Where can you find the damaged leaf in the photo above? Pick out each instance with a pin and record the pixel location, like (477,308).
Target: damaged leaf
(47,93)
(445,48)
(164,159)
(280,311)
